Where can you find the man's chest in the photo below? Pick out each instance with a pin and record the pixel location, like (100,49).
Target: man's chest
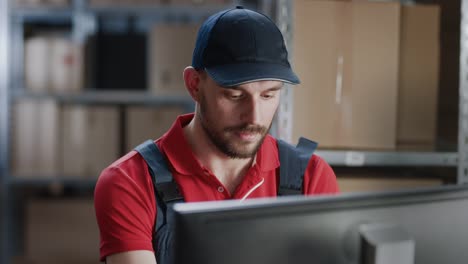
(206,187)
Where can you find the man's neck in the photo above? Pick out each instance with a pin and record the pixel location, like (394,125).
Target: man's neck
(229,171)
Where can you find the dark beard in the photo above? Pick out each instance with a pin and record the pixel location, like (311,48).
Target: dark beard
(229,148)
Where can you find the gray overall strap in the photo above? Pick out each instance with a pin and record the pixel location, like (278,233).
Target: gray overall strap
(166,194)
(166,189)
(293,163)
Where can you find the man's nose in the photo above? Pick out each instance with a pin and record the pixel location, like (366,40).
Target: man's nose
(251,112)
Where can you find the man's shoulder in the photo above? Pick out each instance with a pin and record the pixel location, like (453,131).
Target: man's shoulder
(126,161)
(318,160)
(128,167)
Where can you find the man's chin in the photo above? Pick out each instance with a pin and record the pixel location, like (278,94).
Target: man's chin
(238,148)
(245,150)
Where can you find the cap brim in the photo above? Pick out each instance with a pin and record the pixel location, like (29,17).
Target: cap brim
(237,74)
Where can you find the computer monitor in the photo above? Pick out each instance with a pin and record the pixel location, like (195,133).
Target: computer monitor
(423,226)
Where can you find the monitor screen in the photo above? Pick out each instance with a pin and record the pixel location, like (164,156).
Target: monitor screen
(423,226)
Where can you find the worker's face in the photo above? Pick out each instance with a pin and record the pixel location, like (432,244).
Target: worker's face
(237,119)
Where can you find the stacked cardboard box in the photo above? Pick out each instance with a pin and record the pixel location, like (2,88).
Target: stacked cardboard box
(369,74)
(36,68)
(91,139)
(35,138)
(145,123)
(53,63)
(346,54)
(61,231)
(70,140)
(170,52)
(368,182)
(419,77)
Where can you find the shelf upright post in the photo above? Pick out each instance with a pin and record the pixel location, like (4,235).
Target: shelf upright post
(266,7)
(84,23)
(285,113)
(16,59)
(4,84)
(463,107)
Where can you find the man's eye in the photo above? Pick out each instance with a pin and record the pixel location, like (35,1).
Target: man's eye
(235,96)
(268,95)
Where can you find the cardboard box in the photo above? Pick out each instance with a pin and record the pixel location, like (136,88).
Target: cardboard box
(24,144)
(61,231)
(36,64)
(375,183)
(145,123)
(48,129)
(368,184)
(171,48)
(53,63)
(35,138)
(91,139)
(66,64)
(419,77)
(346,55)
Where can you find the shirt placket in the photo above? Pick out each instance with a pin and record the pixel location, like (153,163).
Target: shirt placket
(220,190)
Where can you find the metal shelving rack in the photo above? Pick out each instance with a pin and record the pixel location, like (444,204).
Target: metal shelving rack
(83,20)
(4,124)
(112,97)
(457,159)
(463,105)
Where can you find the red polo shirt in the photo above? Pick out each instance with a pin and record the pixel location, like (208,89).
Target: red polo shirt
(124,195)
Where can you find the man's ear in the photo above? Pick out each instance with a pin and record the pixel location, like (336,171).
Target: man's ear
(192,80)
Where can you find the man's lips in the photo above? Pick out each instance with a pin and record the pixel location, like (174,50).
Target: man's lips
(249,133)
(247,136)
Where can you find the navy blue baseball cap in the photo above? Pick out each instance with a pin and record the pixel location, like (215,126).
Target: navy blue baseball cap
(238,46)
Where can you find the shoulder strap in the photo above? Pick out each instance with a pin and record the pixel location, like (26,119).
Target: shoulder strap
(293,163)
(166,189)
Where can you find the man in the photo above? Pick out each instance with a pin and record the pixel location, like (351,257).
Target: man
(223,150)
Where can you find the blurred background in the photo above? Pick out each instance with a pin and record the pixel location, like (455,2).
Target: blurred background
(82,82)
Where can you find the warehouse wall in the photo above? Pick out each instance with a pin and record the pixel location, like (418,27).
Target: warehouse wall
(61,141)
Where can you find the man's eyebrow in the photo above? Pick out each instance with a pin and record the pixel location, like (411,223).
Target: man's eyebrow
(274,88)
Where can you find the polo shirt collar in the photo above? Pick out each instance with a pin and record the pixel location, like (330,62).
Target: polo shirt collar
(179,153)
